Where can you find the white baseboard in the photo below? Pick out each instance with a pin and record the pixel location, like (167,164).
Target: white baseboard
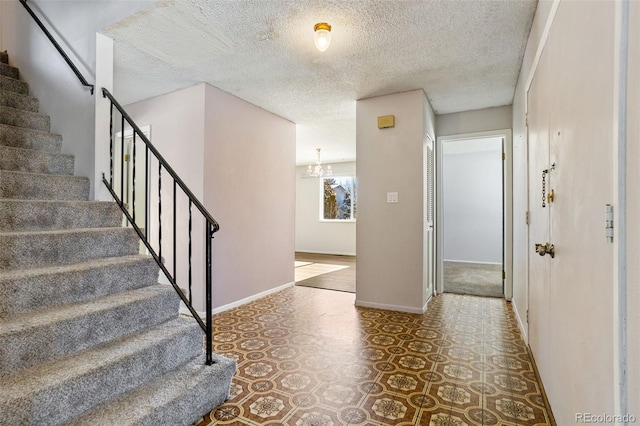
(336,253)
(521,324)
(387,307)
(471,261)
(185,311)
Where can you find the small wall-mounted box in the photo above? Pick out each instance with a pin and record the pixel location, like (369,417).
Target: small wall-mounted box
(386,121)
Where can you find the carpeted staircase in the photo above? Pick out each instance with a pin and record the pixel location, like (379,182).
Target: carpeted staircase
(87,336)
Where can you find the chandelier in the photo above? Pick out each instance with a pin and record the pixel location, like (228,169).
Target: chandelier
(316,170)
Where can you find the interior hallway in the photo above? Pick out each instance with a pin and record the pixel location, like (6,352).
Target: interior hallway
(308,356)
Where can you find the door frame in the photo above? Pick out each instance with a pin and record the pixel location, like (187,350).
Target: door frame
(507,196)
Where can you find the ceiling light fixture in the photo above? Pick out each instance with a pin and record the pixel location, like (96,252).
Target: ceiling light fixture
(316,171)
(322,36)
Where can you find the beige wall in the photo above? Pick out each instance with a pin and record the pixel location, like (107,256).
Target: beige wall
(312,234)
(633,211)
(479,120)
(389,237)
(249,175)
(239,160)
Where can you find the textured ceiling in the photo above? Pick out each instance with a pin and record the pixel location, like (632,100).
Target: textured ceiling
(464,54)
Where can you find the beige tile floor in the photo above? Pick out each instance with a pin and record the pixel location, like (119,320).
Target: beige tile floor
(310,357)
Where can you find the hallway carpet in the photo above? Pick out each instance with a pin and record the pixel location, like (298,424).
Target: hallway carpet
(310,357)
(475,279)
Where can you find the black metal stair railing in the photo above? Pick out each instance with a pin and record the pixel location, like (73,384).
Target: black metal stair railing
(124,182)
(131,208)
(46,32)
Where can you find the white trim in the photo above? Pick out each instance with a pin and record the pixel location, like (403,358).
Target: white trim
(472,261)
(339,253)
(521,326)
(508,204)
(392,307)
(185,311)
(251,298)
(541,44)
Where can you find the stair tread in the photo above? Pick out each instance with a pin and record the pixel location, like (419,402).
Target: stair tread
(35,161)
(14,85)
(26,119)
(9,71)
(141,405)
(64,231)
(19,101)
(29,130)
(46,174)
(21,383)
(80,266)
(57,314)
(31,138)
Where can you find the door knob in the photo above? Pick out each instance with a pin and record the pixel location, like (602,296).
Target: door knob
(546,248)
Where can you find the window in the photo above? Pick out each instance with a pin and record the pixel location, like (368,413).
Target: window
(338,198)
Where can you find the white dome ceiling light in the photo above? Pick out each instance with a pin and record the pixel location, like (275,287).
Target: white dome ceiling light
(322,36)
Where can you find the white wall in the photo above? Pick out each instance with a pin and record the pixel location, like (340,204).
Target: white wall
(520,193)
(472,196)
(61,95)
(312,234)
(249,176)
(633,211)
(389,271)
(474,121)
(579,303)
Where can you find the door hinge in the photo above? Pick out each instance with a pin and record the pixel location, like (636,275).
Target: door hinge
(504,275)
(504,156)
(527,316)
(608,227)
(526,217)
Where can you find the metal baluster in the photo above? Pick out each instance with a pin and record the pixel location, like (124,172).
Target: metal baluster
(174,230)
(190,273)
(147,187)
(111,146)
(209,346)
(133,202)
(122,162)
(160,211)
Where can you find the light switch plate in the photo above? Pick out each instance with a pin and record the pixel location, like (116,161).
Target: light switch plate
(392,197)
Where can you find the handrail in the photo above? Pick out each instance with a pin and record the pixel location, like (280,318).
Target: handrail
(58,48)
(211,227)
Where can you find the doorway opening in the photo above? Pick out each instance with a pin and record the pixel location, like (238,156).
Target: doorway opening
(474,206)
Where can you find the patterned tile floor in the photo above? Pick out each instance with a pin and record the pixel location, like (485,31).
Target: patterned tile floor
(310,357)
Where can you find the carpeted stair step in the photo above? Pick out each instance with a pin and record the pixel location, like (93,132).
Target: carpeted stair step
(26,290)
(13,85)
(180,397)
(18,101)
(20,118)
(41,215)
(21,137)
(4,57)
(58,391)
(36,186)
(32,161)
(9,71)
(42,248)
(36,337)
